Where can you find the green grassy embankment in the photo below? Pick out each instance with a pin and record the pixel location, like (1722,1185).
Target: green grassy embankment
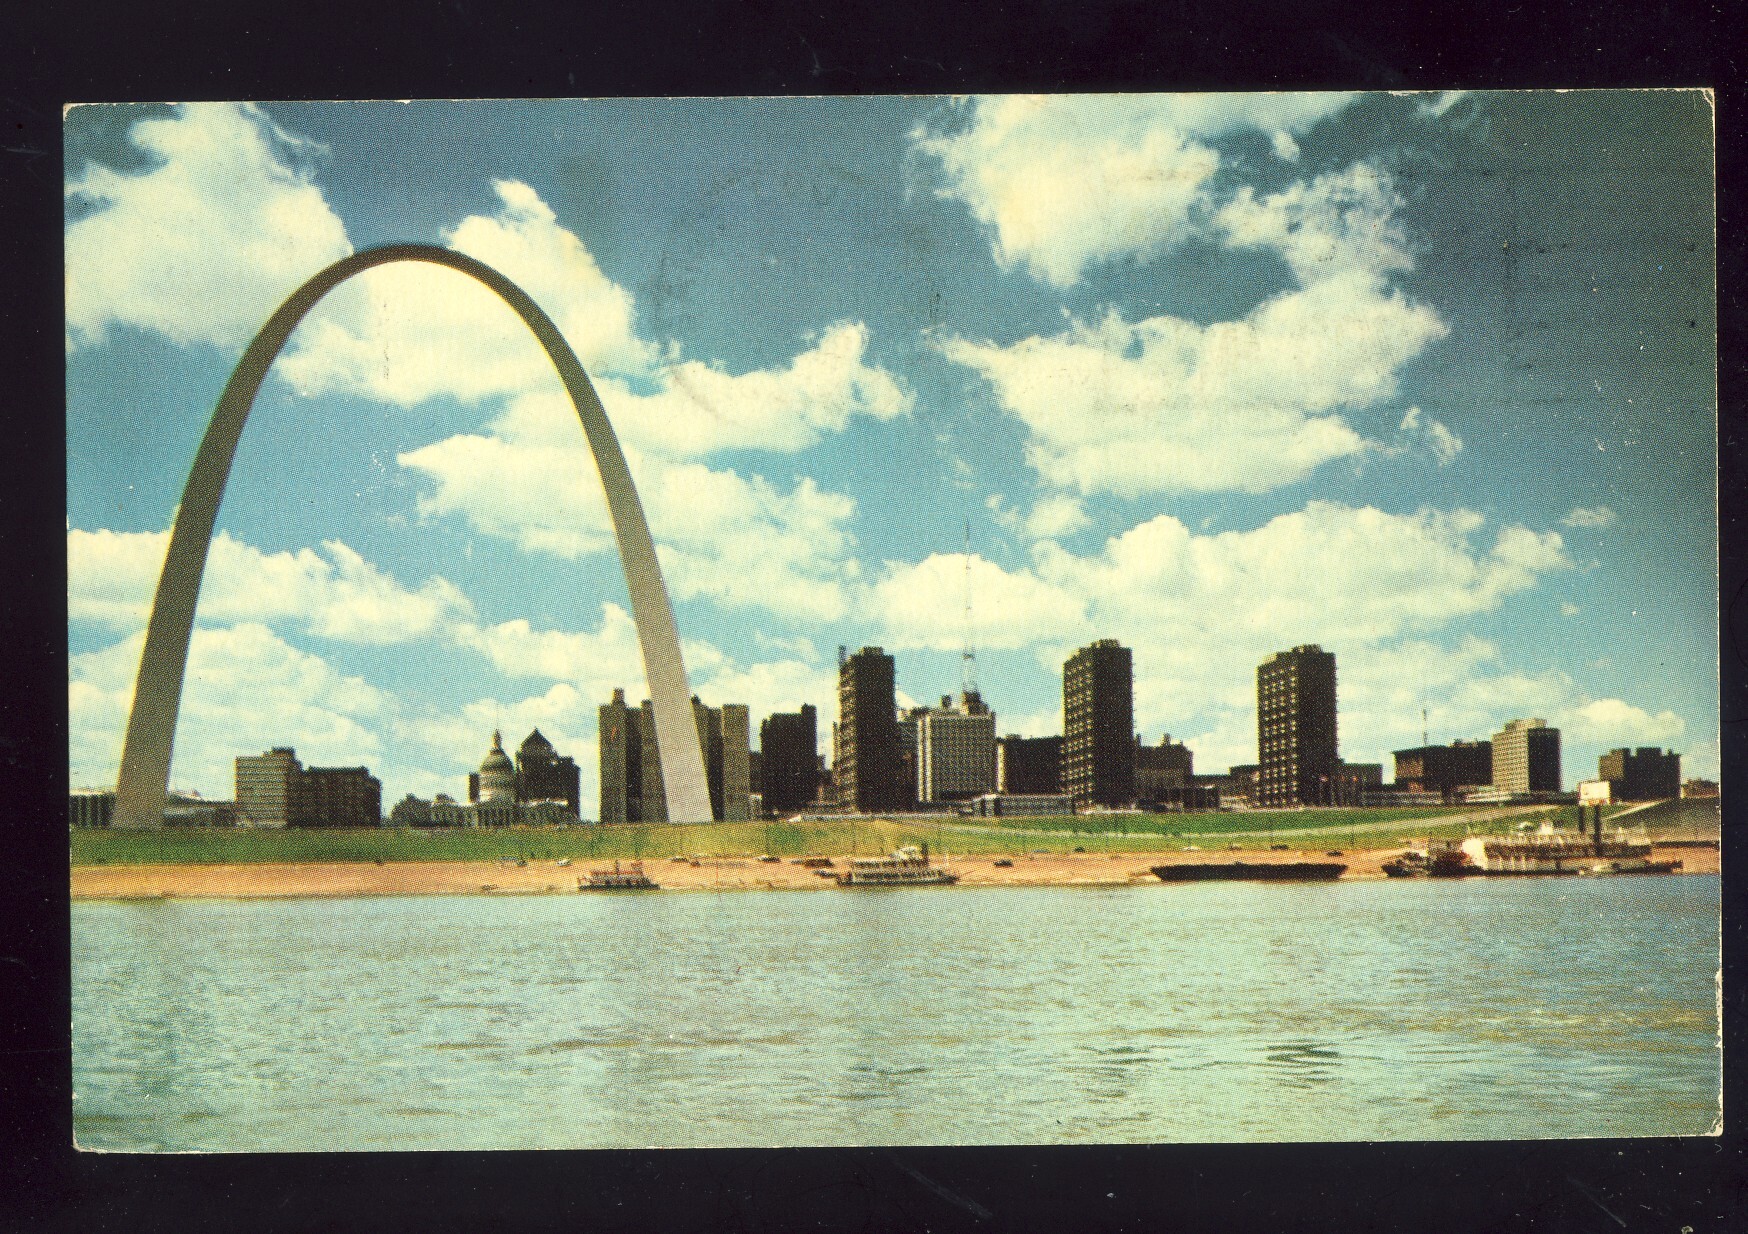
(1302,829)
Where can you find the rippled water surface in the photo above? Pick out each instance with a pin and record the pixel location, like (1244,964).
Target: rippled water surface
(1220,1011)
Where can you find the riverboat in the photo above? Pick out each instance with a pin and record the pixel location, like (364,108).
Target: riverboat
(630,878)
(1261,871)
(904,867)
(1554,852)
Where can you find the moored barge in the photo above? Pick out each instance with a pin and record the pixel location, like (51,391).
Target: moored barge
(1261,871)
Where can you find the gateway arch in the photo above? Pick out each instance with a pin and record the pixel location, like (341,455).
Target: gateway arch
(151,727)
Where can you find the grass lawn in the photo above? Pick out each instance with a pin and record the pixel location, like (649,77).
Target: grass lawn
(1303,829)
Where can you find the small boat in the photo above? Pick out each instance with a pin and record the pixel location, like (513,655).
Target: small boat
(905,867)
(630,878)
(1261,871)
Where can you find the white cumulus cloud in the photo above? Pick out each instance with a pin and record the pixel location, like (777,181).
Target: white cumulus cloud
(1169,405)
(246,690)
(742,541)
(408,332)
(1201,611)
(203,244)
(1067,182)
(334,593)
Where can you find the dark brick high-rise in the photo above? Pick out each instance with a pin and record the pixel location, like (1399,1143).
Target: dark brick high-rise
(1098,725)
(868,774)
(789,759)
(1028,765)
(1295,727)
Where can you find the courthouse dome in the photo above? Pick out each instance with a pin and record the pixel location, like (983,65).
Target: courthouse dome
(497,776)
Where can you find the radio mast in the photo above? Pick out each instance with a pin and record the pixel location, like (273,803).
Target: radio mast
(968,660)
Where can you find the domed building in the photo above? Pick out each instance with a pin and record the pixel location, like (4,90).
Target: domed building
(541,785)
(496,781)
(542,774)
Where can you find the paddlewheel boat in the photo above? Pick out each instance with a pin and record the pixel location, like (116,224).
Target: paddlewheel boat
(904,867)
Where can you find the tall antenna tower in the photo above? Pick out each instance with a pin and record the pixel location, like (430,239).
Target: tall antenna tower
(968,660)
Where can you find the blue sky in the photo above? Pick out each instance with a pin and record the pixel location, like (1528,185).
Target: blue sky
(1427,379)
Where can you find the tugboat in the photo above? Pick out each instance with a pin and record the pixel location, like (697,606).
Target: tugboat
(631,878)
(904,867)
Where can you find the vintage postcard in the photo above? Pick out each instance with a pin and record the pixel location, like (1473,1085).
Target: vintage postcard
(1207,602)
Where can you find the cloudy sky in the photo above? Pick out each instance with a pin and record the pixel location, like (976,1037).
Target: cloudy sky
(1426,379)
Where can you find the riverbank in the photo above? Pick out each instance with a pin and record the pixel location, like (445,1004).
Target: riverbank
(270,880)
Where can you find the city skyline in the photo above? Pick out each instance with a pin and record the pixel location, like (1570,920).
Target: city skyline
(1484,480)
(1297,708)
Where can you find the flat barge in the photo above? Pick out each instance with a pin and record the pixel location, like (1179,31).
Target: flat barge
(1262,871)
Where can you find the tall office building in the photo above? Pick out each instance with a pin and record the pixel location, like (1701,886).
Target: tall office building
(869,773)
(620,736)
(268,788)
(276,790)
(1295,728)
(1645,774)
(724,736)
(1098,725)
(1526,757)
(789,749)
(631,767)
(955,750)
(1029,766)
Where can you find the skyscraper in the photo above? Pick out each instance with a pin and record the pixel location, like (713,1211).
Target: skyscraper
(631,768)
(269,788)
(1295,727)
(621,740)
(868,771)
(1526,757)
(723,736)
(1098,725)
(789,743)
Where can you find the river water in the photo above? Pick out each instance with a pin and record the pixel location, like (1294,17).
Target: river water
(1212,1012)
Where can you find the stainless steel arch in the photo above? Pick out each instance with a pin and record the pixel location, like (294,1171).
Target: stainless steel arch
(151,728)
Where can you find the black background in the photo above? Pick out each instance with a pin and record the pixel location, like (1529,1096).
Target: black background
(95,52)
